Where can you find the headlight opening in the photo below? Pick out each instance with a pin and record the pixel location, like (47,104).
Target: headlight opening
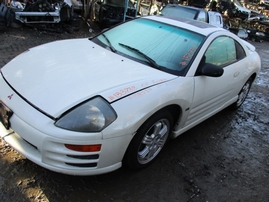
(91,116)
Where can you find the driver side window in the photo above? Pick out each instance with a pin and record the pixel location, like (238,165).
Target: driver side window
(221,52)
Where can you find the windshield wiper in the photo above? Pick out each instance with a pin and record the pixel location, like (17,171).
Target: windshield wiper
(110,45)
(150,60)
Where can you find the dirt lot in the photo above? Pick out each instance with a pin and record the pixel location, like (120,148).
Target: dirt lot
(226,158)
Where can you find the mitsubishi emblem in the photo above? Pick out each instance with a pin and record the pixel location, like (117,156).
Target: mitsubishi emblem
(10,96)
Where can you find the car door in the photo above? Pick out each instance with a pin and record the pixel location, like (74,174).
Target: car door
(215,18)
(215,93)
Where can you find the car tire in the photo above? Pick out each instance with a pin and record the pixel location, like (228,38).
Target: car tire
(149,140)
(242,94)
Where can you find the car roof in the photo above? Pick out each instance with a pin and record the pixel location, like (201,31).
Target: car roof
(193,25)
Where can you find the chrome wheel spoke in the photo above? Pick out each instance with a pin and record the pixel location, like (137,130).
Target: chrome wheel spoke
(147,140)
(157,128)
(163,131)
(160,143)
(153,141)
(142,154)
(152,152)
(243,93)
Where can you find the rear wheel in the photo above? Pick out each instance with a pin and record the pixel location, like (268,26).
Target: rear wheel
(149,140)
(242,94)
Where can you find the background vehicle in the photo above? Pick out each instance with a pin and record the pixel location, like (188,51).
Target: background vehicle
(232,8)
(111,12)
(241,11)
(177,11)
(42,11)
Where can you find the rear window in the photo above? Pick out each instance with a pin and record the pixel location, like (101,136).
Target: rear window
(179,12)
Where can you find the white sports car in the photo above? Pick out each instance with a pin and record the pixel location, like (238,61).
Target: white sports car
(84,106)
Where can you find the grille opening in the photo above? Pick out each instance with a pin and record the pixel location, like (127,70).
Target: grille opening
(82,164)
(96,156)
(39,18)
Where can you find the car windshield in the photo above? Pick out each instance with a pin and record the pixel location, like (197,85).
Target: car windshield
(178,11)
(159,45)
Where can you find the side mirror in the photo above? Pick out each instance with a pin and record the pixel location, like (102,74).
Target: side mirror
(211,70)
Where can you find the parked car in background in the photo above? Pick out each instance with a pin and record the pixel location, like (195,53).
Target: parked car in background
(264,2)
(241,11)
(178,11)
(111,12)
(119,96)
(42,11)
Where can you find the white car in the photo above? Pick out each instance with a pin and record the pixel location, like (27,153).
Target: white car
(84,106)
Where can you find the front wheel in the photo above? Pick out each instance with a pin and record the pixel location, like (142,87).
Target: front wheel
(242,94)
(149,140)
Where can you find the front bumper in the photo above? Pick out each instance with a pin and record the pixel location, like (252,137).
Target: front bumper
(35,136)
(38,17)
(51,153)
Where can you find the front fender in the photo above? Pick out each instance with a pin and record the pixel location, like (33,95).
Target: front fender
(136,108)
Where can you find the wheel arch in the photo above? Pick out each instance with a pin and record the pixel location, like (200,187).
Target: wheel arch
(253,77)
(240,100)
(175,111)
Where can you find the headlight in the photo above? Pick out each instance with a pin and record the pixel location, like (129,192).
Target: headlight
(91,116)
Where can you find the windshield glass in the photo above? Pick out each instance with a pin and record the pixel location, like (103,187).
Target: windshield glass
(181,12)
(168,47)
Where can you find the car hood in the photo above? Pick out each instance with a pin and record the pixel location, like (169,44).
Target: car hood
(57,76)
